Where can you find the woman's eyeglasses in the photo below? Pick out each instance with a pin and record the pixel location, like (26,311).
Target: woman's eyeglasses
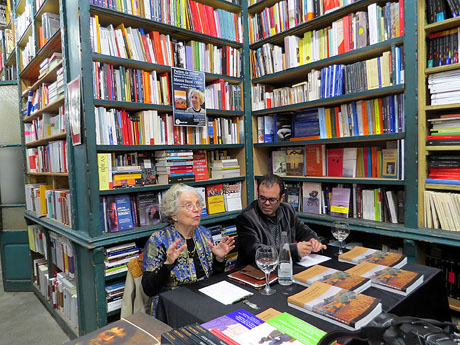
(263,200)
(191,207)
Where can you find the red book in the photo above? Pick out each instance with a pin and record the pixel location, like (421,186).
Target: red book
(212,23)
(124,126)
(337,122)
(204,19)
(314,160)
(146,46)
(439,137)
(346,34)
(197,23)
(156,40)
(401,17)
(335,162)
(200,165)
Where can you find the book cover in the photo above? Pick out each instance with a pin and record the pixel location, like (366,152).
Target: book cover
(294,162)
(283,127)
(298,329)
(202,192)
(390,163)
(387,278)
(349,161)
(234,324)
(292,195)
(215,202)
(119,213)
(331,276)
(265,334)
(359,254)
(279,162)
(232,196)
(334,162)
(345,308)
(311,200)
(148,208)
(314,160)
(340,202)
(251,280)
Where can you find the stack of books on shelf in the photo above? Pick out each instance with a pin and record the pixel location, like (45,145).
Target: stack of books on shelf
(444,130)
(117,257)
(60,82)
(114,295)
(444,87)
(174,166)
(225,168)
(193,16)
(443,168)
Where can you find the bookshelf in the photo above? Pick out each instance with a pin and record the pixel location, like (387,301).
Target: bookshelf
(85,233)
(283,77)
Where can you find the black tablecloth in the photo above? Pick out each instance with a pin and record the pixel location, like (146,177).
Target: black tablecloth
(186,304)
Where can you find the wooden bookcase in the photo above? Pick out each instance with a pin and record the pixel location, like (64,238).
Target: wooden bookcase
(86,234)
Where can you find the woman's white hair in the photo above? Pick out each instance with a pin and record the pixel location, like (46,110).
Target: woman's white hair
(169,203)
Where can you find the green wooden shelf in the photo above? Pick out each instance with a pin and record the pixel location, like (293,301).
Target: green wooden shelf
(60,318)
(318,22)
(327,102)
(131,106)
(148,66)
(115,276)
(448,238)
(11,59)
(25,35)
(348,180)
(114,313)
(46,140)
(47,6)
(364,138)
(296,74)
(107,16)
(116,148)
(157,187)
(442,25)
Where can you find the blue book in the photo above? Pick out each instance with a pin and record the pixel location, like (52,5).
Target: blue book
(189,57)
(29,102)
(393,117)
(355,119)
(269,129)
(380,71)
(119,213)
(438,181)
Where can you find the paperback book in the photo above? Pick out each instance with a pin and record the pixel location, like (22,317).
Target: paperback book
(233,324)
(331,276)
(387,278)
(359,254)
(342,307)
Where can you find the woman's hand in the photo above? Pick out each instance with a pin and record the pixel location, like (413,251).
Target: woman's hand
(173,251)
(222,248)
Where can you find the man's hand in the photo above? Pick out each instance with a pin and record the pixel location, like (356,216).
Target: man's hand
(173,251)
(316,245)
(223,247)
(304,248)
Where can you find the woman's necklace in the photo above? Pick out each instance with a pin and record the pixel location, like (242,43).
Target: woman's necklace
(190,244)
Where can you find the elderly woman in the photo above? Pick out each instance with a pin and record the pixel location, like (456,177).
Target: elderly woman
(182,252)
(196,99)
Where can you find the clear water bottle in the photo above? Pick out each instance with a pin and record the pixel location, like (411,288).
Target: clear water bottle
(285,261)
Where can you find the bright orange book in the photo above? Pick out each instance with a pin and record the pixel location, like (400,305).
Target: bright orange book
(365,118)
(314,160)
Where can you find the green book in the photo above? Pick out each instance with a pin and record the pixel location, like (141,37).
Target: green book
(296,328)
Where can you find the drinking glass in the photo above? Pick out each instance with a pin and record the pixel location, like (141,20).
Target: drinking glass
(267,260)
(340,231)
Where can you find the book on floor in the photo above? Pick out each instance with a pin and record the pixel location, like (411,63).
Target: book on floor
(387,278)
(359,254)
(341,307)
(331,276)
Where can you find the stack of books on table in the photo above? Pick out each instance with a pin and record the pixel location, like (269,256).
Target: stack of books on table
(359,254)
(117,257)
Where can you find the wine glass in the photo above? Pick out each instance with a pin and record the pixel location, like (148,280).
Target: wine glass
(340,231)
(267,260)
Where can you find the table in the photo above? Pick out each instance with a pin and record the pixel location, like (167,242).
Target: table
(186,305)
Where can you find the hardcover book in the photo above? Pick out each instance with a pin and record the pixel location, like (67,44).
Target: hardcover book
(279,162)
(293,195)
(294,162)
(215,198)
(387,278)
(250,280)
(315,160)
(331,276)
(148,208)
(311,202)
(340,202)
(359,254)
(232,196)
(334,162)
(342,307)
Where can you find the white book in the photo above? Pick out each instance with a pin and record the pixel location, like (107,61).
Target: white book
(121,43)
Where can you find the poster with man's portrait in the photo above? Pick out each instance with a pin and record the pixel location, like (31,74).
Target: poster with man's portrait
(188,88)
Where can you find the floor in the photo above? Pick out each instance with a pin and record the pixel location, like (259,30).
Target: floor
(25,321)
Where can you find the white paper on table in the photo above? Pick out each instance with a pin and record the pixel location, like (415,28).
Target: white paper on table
(312,259)
(225,292)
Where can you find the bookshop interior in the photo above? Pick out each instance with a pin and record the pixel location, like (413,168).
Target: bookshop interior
(301,185)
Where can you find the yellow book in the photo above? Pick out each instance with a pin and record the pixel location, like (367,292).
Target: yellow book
(104,170)
(30,233)
(98,35)
(275,20)
(307,48)
(301,53)
(328,122)
(378,130)
(215,199)
(43,189)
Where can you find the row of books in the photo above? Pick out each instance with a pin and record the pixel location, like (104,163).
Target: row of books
(50,158)
(62,254)
(45,126)
(443,48)
(348,201)
(37,240)
(116,261)
(118,127)
(45,201)
(186,14)
(444,87)
(367,117)
(44,95)
(50,63)
(124,212)
(441,210)
(161,49)
(60,291)
(222,95)
(334,80)
(50,25)
(23,20)
(316,160)
(443,167)
(130,85)
(28,52)
(439,10)
(346,34)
